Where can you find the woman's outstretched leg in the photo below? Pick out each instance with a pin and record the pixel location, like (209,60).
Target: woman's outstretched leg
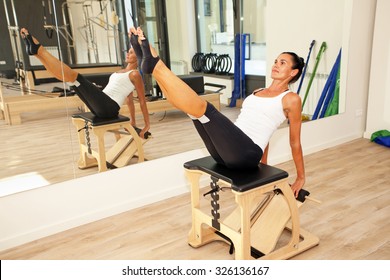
(133,35)
(58,69)
(177,92)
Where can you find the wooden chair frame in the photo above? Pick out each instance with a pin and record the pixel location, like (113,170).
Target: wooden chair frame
(239,226)
(123,150)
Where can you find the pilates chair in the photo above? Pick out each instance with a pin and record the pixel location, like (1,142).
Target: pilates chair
(266,211)
(119,155)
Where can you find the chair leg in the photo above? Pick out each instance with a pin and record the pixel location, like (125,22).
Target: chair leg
(84,161)
(243,248)
(138,142)
(101,154)
(199,235)
(249,225)
(195,234)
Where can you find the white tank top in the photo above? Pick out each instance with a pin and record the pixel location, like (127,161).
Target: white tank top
(260,117)
(119,87)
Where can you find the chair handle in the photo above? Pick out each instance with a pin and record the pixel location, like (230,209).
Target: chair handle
(221,87)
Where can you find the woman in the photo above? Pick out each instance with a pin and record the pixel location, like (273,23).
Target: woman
(242,144)
(104,103)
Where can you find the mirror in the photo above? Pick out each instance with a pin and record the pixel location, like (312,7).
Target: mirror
(82,33)
(261,19)
(30,137)
(38,137)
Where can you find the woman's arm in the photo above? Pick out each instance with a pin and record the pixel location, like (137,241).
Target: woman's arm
(292,106)
(130,105)
(137,81)
(264,158)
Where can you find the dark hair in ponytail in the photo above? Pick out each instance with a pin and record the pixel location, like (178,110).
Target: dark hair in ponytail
(298,63)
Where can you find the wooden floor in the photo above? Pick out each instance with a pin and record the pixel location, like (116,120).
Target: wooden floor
(352,181)
(46,142)
(353,221)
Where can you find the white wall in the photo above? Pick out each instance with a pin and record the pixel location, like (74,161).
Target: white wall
(33,214)
(102,28)
(182,37)
(378,113)
(356,43)
(294,28)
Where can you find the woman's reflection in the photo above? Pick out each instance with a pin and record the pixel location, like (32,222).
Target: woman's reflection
(104,103)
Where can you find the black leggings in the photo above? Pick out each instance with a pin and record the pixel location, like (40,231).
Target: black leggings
(100,104)
(226,143)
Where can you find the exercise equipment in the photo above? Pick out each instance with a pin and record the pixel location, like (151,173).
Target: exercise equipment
(266,208)
(196,62)
(17,49)
(239,68)
(37,74)
(333,107)
(196,83)
(328,91)
(211,63)
(138,130)
(223,64)
(381,137)
(120,154)
(49,32)
(12,107)
(317,62)
(306,64)
(105,19)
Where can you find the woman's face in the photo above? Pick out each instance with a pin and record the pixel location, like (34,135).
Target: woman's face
(282,68)
(131,57)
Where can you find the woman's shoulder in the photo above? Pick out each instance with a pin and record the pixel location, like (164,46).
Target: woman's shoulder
(257,90)
(134,73)
(292,95)
(291,98)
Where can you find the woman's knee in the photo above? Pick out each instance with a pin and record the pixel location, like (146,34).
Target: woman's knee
(200,108)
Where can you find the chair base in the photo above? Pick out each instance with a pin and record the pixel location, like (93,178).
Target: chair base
(257,223)
(119,155)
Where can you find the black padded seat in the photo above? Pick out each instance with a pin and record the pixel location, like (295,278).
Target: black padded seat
(240,180)
(96,121)
(196,82)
